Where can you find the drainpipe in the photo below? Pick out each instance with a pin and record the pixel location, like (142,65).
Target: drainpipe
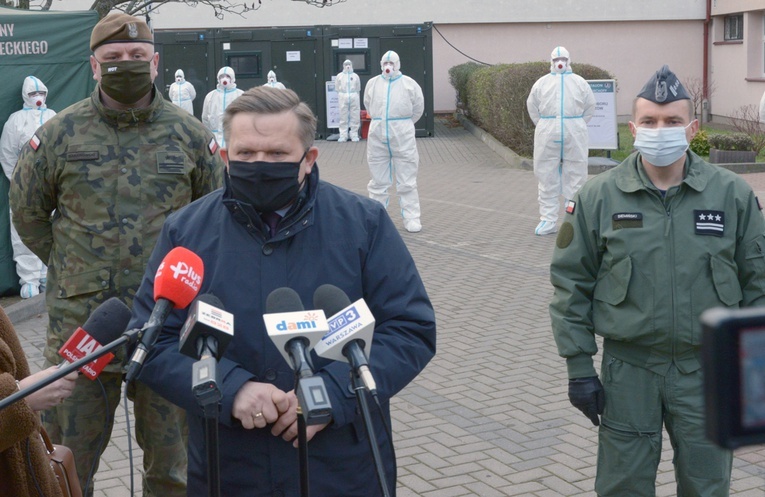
(705,63)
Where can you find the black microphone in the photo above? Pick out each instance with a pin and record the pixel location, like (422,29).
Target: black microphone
(208,328)
(205,335)
(351,328)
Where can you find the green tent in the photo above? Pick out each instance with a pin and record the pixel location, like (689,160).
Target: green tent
(54,47)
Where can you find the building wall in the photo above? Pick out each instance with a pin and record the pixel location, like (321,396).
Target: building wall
(737,68)
(607,33)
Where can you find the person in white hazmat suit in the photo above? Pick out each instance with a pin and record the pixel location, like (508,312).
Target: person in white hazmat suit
(272,82)
(217,100)
(348,87)
(182,93)
(18,130)
(560,105)
(394,102)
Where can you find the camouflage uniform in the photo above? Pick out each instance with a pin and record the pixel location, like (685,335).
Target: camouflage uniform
(90,194)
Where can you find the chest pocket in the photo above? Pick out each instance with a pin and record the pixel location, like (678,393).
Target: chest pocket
(613,282)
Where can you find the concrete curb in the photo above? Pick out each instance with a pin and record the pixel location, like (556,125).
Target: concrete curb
(25,309)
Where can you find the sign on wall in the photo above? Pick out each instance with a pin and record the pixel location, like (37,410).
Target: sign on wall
(333,106)
(602,127)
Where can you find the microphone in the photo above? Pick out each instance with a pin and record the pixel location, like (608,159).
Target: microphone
(177,282)
(208,328)
(103,326)
(205,335)
(295,331)
(351,326)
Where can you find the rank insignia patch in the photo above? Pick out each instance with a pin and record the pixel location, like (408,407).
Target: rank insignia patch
(709,222)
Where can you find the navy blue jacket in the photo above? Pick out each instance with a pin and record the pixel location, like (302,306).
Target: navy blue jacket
(331,236)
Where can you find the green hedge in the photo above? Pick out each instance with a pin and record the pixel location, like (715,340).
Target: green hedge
(494,98)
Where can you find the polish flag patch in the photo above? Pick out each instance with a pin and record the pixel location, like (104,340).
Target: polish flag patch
(570,207)
(34,143)
(213,146)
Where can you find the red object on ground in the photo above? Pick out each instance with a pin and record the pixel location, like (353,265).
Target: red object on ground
(365,120)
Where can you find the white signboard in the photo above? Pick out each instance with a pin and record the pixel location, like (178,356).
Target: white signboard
(333,106)
(602,127)
(345,43)
(293,56)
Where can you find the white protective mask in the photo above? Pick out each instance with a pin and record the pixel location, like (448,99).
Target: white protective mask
(661,146)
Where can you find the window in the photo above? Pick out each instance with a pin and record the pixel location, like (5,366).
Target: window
(359,59)
(245,64)
(734,27)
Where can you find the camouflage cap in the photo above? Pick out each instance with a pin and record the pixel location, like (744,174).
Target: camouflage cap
(664,87)
(120,28)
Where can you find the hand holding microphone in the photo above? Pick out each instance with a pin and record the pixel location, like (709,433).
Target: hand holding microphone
(177,282)
(50,395)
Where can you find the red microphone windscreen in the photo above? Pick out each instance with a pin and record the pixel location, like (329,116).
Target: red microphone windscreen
(179,277)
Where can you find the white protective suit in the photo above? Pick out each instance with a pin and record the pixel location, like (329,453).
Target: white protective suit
(272,82)
(348,87)
(560,105)
(217,100)
(182,93)
(394,102)
(17,132)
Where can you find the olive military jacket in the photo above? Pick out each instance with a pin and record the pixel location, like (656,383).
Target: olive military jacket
(91,191)
(638,269)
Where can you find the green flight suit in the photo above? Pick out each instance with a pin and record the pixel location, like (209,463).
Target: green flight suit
(638,268)
(89,195)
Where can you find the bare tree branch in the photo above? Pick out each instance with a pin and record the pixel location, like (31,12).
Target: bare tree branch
(746,119)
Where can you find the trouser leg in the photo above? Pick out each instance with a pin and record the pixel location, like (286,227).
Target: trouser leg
(548,174)
(406,186)
(702,469)
(28,265)
(84,422)
(573,177)
(162,434)
(381,170)
(630,434)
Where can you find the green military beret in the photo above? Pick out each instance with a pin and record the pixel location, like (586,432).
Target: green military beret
(664,87)
(120,28)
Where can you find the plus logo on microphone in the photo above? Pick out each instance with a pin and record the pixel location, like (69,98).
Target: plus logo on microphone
(187,274)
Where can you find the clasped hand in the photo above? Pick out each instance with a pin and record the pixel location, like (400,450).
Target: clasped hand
(258,405)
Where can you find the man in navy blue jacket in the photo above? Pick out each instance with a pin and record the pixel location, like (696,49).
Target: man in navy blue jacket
(325,235)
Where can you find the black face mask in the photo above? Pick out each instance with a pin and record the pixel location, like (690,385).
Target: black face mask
(126,81)
(267,186)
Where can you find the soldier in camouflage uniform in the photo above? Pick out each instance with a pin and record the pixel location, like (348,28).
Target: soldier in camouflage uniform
(89,196)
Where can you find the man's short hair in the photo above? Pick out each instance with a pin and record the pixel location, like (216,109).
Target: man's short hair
(267,100)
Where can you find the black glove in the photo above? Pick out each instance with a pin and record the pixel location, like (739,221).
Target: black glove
(587,395)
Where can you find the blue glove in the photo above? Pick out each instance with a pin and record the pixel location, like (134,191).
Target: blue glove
(587,395)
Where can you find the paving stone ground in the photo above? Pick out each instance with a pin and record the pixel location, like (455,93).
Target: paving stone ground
(489,416)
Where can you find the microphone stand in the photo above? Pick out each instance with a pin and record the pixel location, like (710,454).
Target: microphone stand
(128,337)
(358,388)
(204,385)
(303,453)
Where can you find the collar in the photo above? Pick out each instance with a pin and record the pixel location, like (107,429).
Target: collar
(631,177)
